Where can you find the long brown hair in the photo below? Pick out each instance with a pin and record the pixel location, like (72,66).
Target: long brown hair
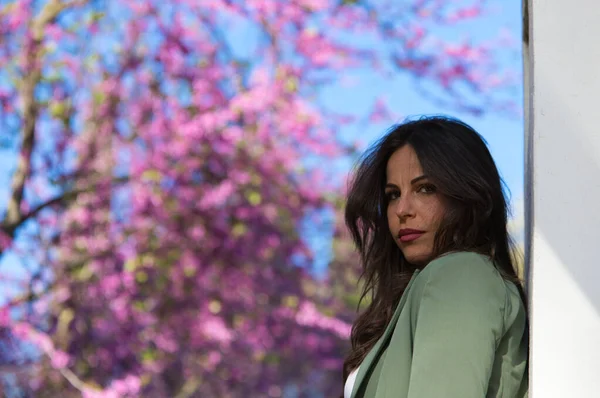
(456,159)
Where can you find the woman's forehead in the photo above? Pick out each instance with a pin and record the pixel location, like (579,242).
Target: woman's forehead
(404,164)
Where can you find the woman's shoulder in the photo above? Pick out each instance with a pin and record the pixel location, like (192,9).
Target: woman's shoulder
(464,263)
(466,282)
(461,272)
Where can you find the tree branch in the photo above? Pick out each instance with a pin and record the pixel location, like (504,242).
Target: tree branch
(9,227)
(31,79)
(65,197)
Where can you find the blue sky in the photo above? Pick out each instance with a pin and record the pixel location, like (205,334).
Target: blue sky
(503,134)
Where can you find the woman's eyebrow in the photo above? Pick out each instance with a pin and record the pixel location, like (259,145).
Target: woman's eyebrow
(413,181)
(417,179)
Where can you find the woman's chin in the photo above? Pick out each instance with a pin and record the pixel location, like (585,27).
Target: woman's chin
(417,257)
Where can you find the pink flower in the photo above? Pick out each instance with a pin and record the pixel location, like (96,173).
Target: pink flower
(5,241)
(216,196)
(59,359)
(4,317)
(214,329)
(129,385)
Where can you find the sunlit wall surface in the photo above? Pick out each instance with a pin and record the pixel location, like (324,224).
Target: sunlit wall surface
(564,148)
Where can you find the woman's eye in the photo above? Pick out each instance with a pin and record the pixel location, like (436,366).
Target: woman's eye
(391,195)
(427,188)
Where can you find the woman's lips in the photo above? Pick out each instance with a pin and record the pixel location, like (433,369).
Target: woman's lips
(408,234)
(410,237)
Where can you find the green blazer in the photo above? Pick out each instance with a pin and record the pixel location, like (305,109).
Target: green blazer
(459,331)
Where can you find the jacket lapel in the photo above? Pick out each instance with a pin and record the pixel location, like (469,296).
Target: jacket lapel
(368,362)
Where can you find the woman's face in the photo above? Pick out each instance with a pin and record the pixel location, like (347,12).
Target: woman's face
(415,209)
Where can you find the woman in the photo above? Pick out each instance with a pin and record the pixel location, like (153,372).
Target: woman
(447,317)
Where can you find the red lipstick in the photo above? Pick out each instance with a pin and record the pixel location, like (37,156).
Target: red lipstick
(408,235)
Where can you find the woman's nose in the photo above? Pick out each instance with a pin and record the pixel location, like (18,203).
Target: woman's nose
(404,207)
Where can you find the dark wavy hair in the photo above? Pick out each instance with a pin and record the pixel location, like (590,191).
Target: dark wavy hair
(456,159)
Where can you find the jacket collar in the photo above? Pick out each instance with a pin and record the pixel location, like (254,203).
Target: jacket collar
(369,360)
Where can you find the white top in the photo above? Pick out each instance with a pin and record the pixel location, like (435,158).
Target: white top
(350,383)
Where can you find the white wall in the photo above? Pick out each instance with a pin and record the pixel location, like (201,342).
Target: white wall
(563,207)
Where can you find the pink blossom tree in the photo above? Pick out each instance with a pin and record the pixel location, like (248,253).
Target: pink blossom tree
(159,185)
